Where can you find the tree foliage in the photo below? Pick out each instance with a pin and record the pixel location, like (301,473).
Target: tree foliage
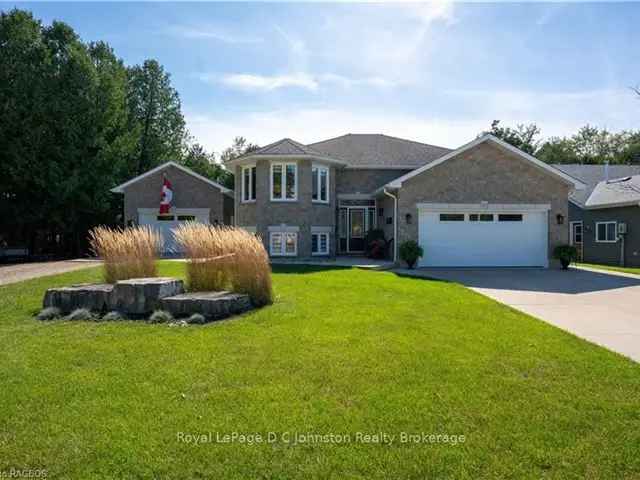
(590,145)
(74,122)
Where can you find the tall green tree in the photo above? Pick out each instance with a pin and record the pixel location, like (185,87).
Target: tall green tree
(522,137)
(199,160)
(155,116)
(240,146)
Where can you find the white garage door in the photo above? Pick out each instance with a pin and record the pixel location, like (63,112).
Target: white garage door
(483,238)
(165,224)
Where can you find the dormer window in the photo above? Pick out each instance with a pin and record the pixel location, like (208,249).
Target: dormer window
(320,180)
(249,183)
(284,182)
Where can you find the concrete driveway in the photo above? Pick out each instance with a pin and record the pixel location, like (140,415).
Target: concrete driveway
(600,307)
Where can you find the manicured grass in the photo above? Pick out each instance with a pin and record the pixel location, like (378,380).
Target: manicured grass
(340,351)
(635,271)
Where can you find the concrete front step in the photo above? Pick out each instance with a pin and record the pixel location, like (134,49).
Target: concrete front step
(212,305)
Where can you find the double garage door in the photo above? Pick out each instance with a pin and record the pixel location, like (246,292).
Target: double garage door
(483,238)
(166,224)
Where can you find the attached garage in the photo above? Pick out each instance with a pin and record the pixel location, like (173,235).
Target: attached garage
(486,204)
(483,235)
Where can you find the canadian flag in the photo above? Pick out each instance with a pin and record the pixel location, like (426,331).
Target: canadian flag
(166,196)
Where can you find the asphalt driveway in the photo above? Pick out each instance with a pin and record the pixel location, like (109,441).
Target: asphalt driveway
(600,307)
(24,271)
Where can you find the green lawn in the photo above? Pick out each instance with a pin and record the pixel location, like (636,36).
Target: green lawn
(340,352)
(635,271)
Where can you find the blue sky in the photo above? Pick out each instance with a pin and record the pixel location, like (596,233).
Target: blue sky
(437,73)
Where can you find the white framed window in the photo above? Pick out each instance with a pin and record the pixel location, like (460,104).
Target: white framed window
(319,244)
(606,232)
(284,182)
(249,183)
(320,181)
(283,244)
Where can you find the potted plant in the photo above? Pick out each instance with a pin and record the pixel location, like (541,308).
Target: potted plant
(566,254)
(410,252)
(375,243)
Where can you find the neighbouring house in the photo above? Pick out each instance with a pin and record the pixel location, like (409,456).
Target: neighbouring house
(187,196)
(484,204)
(604,218)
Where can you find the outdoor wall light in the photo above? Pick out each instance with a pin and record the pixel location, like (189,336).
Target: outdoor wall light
(408,219)
(560,218)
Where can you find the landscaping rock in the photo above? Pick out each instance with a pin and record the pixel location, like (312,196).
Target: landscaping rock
(140,296)
(211,305)
(90,296)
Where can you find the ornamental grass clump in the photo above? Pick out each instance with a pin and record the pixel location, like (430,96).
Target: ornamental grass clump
(226,258)
(127,253)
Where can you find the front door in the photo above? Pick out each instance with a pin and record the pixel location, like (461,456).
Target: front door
(356,230)
(576,237)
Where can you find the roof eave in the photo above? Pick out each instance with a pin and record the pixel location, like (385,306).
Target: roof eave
(120,188)
(290,156)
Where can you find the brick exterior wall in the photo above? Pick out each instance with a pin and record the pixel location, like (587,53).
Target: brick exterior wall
(302,213)
(188,192)
(365,180)
(608,253)
(485,173)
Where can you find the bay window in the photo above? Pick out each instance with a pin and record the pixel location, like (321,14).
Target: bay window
(249,183)
(284,182)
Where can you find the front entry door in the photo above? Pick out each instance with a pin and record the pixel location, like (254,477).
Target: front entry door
(356,229)
(576,238)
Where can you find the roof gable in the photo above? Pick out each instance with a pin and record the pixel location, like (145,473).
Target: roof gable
(120,188)
(397,183)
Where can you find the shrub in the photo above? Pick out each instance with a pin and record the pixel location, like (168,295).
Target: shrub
(113,316)
(566,254)
(127,253)
(49,313)
(196,318)
(410,252)
(226,258)
(79,315)
(161,316)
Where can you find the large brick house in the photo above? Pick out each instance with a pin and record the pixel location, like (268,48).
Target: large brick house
(483,204)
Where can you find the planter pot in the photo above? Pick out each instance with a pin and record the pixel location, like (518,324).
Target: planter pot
(565,263)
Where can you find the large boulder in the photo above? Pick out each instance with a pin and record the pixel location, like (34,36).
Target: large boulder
(140,296)
(212,305)
(95,297)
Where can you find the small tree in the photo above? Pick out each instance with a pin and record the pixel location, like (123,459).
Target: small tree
(410,252)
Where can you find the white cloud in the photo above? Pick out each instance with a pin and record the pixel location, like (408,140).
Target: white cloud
(212,32)
(265,83)
(557,113)
(309,125)
(250,82)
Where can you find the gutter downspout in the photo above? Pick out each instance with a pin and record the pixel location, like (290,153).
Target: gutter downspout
(395,223)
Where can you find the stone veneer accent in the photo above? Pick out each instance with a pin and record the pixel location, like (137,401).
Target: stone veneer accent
(485,173)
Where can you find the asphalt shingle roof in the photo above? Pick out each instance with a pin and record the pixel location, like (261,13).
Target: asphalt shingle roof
(286,146)
(621,190)
(592,175)
(379,150)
